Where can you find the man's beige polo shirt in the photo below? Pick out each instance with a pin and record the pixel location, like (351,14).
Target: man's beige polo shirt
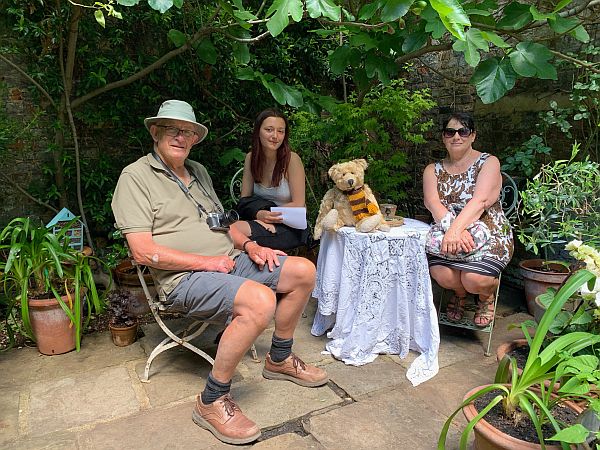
(147,198)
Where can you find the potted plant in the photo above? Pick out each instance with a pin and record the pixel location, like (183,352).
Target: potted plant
(52,282)
(560,203)
(122,323)
(526,394)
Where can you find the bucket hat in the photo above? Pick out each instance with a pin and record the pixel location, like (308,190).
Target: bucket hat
(178,110)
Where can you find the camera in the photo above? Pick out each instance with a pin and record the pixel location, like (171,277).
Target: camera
(221,221)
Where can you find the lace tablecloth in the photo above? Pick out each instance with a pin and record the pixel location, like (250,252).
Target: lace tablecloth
(374,294)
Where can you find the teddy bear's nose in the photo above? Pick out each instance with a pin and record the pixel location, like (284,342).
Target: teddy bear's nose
(350,182)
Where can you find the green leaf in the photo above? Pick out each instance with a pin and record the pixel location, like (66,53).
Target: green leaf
(561,5)
(325,8)
(575,434)
(414,41)
(178,3)
(493,78)
(160,5)
(516,15)
(473,42)
(376,66)
(394,9)
(282,9)
(434,24)
(278,22)
(494,39)
(231,155)
(245,73)
(363,39)
(580,34)
(537,15)
(241,53)
(452,16)
(99,15)
(177,37)
(207,51)
(128,2)
(530,59)
(563,24)
(368,11)
(338,60)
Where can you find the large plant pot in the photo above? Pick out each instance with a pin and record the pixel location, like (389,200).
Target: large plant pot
(54,333)
(127,278)
(488,437)
(509,346)
(123,336)
(538,277)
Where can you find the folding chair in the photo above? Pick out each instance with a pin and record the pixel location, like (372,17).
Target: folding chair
(180,337)
(508,198)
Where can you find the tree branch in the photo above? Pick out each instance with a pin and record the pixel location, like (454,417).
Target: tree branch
(586,65)
(35,83)
(27,194)
(423,51)
(443,75)
(260,37)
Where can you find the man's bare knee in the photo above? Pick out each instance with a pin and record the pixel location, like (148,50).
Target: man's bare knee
(256,303)
(297,272)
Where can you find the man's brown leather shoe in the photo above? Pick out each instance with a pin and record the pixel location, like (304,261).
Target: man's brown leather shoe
(225,420)
(295,370)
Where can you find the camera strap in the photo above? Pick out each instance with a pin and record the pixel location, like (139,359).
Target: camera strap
(185,189)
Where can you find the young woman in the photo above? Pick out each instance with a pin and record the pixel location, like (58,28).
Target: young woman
(273,176)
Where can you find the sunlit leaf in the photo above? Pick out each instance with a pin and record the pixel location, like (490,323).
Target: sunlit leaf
(473,42)
(575,434)
(453,16)
(99,15)
(325,8)
(160,5)
(493,78)
(128,2)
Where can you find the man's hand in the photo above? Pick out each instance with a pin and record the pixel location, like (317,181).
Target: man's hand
(263,255)
(269,217)
(222,264)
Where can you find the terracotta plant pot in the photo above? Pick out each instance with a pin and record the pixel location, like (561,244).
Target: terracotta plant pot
(54,333)
(127,278)
(123,336)
(488,437)
(509,346)
(537,281)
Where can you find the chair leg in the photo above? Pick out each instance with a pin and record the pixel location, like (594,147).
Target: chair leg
(255,357)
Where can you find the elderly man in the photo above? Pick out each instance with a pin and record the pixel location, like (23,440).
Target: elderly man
(161,204)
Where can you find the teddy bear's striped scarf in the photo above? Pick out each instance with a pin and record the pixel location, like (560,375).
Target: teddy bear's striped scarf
(360,204)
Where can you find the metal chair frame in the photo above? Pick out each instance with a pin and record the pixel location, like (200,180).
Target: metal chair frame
(508,199)
(180,337)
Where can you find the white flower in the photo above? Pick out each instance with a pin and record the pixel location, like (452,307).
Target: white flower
(573,245)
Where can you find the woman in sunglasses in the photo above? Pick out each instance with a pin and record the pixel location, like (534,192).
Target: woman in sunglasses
(475,240)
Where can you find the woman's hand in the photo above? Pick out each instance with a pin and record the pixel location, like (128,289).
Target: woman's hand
(467,244)
(267,226)
(263,255)
(269,217)
(451,244)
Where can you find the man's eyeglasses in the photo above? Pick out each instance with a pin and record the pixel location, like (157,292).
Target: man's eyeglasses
(462,132)
(174,131)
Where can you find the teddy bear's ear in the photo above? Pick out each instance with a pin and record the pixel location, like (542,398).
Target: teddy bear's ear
(362,163)
(332,170)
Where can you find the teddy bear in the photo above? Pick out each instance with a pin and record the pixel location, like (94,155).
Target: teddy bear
(350,203)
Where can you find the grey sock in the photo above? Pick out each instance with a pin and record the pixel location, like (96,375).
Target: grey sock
(214,389)
(280,348)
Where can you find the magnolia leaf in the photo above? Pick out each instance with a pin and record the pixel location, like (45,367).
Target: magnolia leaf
(160,5)
(99,15)
(530,59)
(575,434)
(516,15)
(325,8)
(493,78)
(177,37)
(453,16)
(473,42)
(207,51)
(394,9)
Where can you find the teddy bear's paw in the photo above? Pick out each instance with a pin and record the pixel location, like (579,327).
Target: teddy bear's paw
(330,220)
(384,227)
(368,224)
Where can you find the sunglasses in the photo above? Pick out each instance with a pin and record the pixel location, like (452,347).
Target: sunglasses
(462,132)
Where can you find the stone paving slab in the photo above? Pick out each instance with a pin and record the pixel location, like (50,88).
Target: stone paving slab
(291,441)
(68,402)
(9,415)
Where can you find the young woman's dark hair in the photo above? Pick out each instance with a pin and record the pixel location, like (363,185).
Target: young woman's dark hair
(465,119)
(283,152)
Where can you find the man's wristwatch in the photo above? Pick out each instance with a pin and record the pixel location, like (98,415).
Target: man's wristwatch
(246,243)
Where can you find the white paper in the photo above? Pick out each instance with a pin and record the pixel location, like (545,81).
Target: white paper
(293,216)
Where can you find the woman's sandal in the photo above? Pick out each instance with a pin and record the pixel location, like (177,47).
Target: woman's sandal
(455,309)
(484,314)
